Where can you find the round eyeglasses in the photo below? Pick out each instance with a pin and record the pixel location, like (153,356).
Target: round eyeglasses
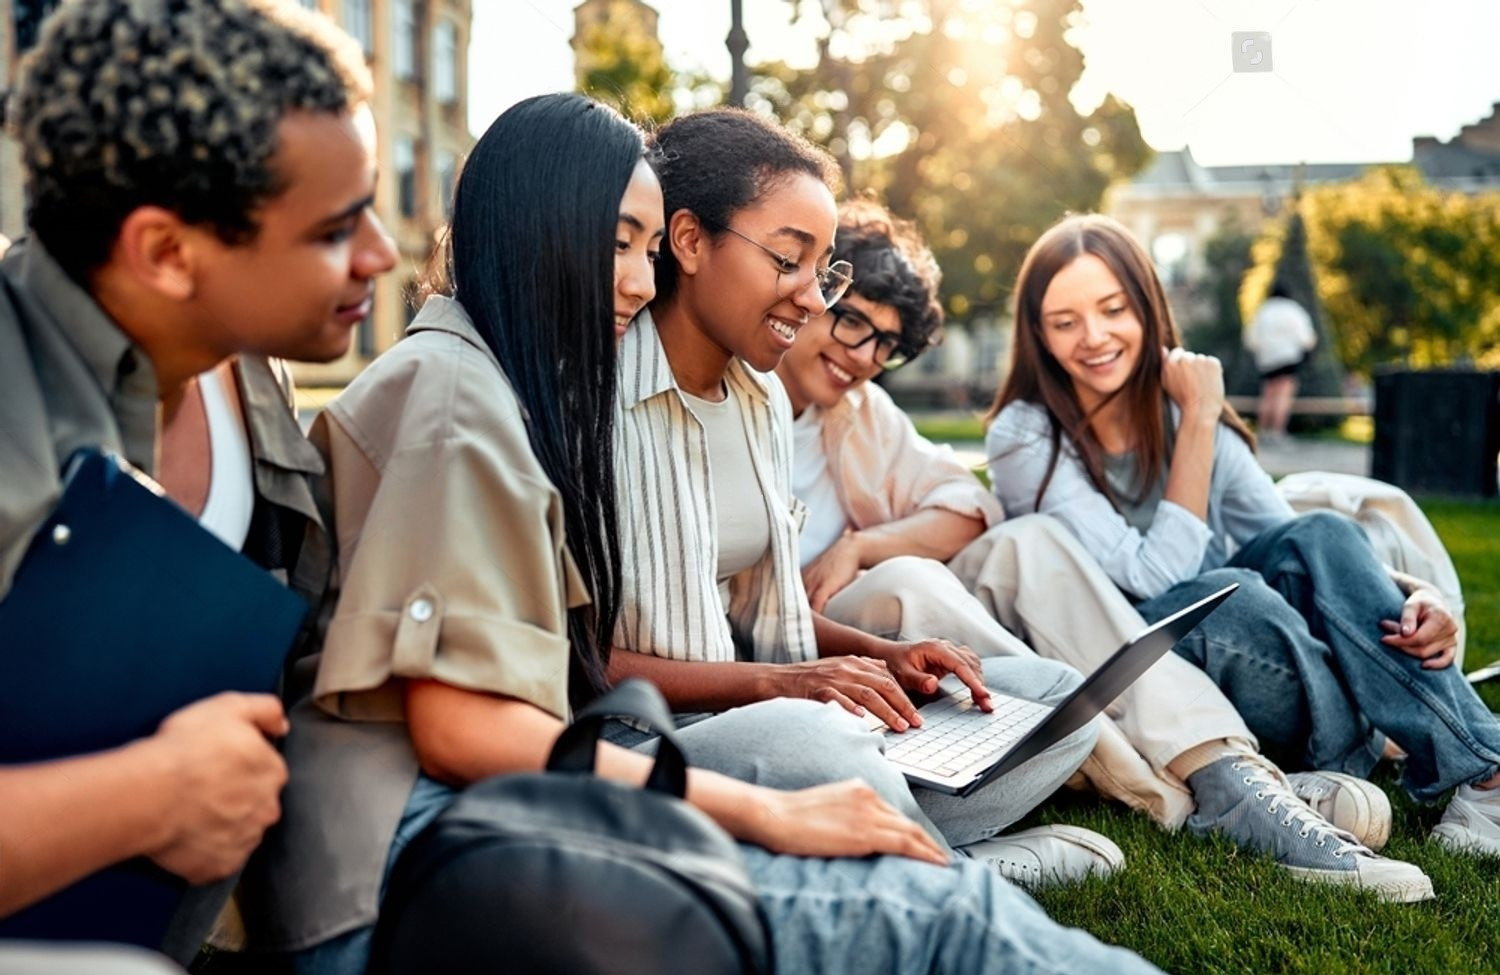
(833,280)
(852,329)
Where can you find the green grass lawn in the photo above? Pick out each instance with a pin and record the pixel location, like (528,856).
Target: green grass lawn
(1195,906)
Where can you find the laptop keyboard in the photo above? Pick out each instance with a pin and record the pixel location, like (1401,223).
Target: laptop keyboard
(956,737)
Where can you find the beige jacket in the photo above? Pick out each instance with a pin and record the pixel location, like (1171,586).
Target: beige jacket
(884,470)
(452,566)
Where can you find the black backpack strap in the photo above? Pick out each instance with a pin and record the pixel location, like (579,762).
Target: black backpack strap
(637,699)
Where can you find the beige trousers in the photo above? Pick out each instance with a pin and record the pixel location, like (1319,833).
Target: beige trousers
(1062,606)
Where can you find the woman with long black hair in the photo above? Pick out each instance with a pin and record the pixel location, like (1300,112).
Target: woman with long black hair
(472,479)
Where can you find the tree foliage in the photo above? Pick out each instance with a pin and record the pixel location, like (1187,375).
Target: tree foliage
(1219,328)
(620,62)
(1407,272)
(957,113)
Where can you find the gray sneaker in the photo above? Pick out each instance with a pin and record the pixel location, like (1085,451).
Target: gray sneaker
(1353,805)
(1248,801)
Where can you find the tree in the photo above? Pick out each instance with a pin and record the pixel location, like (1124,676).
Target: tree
(1226,258)
(620,61)
(1323,375)
(958,114)
(1407,272)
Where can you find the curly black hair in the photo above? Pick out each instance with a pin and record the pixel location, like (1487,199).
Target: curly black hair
(172,103)
(892,266)
(715,162)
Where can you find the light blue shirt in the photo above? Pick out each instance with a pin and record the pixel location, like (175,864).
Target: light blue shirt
(1177,546)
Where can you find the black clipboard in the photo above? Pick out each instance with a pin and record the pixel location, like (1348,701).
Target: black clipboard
(123,610)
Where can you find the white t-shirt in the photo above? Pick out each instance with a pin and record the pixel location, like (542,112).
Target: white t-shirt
(1280,334)
(744,527)
(231,486)
(812,484)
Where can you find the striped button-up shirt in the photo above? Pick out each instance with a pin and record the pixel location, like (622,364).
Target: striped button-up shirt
(668,519)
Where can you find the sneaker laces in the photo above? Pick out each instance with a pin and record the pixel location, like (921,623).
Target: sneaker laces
(1272,787)
(1015,870)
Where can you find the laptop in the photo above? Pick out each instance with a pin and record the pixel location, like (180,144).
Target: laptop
(960,748)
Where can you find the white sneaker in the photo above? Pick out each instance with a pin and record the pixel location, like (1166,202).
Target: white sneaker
(1353,805)
(1471,823)
(1049,855)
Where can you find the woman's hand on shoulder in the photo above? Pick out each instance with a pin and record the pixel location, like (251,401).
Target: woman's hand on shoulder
(1194,382)
(841,819)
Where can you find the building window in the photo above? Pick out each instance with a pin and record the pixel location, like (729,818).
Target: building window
(445,62)
(404,35)
(405,151)
(359,21)
(447,173)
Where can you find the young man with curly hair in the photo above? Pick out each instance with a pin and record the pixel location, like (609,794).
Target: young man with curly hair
(901,540)
(200,176)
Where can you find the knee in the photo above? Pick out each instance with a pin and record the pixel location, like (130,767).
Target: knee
(786,743)
(1324,529)
(795,720)
(1033,532)
(911,573)
(800,730)
(1033,678)
(1255,599)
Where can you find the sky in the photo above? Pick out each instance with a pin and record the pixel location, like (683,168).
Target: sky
(1351,80)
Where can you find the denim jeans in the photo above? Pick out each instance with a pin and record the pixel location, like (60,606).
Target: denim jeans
(892,913)
(792,744)
(1298,651)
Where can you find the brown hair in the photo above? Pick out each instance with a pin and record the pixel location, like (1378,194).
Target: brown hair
(1036,377)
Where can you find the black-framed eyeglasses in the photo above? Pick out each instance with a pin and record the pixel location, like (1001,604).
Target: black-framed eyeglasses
(852,329)
(833,280)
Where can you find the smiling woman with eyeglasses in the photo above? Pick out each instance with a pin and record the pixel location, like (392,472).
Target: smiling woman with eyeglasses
(712,597)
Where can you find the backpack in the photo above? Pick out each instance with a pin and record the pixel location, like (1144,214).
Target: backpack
(562,871)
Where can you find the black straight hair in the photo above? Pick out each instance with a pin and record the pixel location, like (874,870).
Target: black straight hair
(529,257)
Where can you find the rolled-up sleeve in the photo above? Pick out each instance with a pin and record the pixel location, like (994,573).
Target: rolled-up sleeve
(454,569)
(1019,447)
(925,475)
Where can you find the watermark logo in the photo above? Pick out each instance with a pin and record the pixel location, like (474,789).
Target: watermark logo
(1252,50)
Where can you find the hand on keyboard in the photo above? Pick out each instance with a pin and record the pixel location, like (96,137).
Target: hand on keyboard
(858,684)
(918,666)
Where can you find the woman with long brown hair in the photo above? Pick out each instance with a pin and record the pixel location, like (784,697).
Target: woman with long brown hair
(1332,659)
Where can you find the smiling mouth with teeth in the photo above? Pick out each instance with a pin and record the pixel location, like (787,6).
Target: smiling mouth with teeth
(782,328)
(1102,359)
(839,372)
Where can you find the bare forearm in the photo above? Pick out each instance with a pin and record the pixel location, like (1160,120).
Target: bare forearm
(1192,465)
(838,640)
(60,821)
(462,736)
(697,685)
(934,534)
